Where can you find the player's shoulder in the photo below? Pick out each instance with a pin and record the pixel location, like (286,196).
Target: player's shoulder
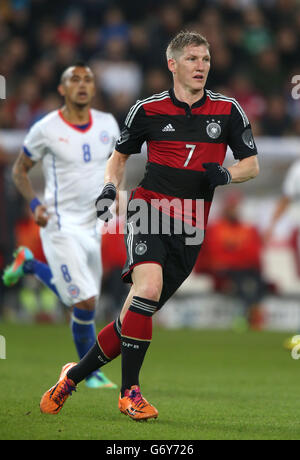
(154,99)
(151,103)
(104,120)
(41,126)
(232,105)
(216,97)
(48,119)
(101,115)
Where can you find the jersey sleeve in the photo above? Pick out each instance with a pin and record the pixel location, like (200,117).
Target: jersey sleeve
(35,143)
(291,183)
(240,138)
(134,132)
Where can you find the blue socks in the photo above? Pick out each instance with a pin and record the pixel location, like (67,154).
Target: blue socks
(41,271)
(83,330)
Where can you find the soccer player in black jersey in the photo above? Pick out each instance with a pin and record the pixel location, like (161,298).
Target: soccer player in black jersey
(187,130)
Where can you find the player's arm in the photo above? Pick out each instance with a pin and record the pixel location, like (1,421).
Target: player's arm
(240,140)
(281,207)
(113,177)
(115,169)
(130,142)
(20,170)
(245,169)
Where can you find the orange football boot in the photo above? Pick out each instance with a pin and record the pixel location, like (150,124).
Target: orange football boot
(134,405)
(53,400)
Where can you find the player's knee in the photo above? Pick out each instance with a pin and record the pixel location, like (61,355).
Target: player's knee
(88,304)
(149,291)
(147,281)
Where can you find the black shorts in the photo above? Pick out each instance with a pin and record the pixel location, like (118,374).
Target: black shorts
(176,258)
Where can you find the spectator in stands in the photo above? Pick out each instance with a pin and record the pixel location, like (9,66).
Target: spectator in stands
(114,26)
(140,47)
(266,72)
(71,29)
(257,35)
(115,72)
(231,254)
(221,70)
(276,120)
(25,103)
(113,260)
(243,90)
(260,39)
(155,81)
(287,43)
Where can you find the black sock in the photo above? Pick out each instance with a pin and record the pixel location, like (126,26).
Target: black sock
(92,361)
(133,354)
(88,364)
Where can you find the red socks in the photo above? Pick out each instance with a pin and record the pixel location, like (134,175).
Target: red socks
(109,341)
(136,337)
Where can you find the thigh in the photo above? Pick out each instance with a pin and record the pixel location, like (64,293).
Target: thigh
(68,257)
(178,266)
(142,249)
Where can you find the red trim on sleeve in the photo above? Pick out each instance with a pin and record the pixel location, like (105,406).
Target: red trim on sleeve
(140,263)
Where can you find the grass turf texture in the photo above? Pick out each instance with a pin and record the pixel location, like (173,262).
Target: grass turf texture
(207,385)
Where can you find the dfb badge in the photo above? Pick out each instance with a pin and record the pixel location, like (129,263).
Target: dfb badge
(213,129)
(141,249)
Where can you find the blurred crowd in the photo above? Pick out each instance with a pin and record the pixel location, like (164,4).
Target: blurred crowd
(254,48)
(255,55)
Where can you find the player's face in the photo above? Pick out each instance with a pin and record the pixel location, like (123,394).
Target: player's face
(78,86)
(190,69)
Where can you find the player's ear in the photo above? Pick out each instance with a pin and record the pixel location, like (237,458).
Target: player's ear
(172,65)
(61,90)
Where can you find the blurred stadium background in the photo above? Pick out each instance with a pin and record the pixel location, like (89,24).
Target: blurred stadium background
(255,54)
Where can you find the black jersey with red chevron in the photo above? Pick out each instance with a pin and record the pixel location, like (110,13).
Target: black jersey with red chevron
(180,138)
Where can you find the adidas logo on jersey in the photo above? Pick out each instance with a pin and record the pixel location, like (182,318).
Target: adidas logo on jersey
(168,128)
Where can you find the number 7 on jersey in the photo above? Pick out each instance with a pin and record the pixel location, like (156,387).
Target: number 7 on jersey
(191,147)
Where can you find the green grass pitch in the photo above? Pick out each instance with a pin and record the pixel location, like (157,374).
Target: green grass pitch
(207,385)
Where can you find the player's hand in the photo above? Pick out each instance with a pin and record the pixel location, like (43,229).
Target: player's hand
(216,174)
(41,216)
(104,202)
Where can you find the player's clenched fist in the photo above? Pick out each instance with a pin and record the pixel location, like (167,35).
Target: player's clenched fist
(39,211)
(40,215)
(104,202)
(216,174)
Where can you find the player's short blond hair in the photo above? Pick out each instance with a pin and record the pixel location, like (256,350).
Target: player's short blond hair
(183,39)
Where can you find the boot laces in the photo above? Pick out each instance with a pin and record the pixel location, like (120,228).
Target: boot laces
(65,390)
(137,398)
